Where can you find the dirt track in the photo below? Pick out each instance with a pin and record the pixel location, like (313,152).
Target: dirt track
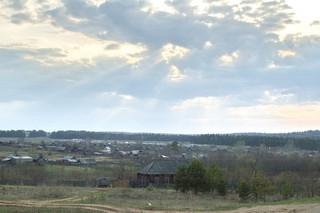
(305,208)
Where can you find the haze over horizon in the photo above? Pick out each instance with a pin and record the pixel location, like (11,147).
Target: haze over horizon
(185,67)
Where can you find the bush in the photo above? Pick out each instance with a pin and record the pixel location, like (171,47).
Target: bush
(244,190)
(196,178)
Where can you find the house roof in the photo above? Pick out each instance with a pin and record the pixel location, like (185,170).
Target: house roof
(16,157)
(163,166)
(88,161)
(67,157)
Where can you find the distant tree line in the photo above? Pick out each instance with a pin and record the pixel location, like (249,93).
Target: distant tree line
(12,133)
(71,134)
(310,142)
(22,133)
(216,139)
(256,140)
(37,133)
(312,134)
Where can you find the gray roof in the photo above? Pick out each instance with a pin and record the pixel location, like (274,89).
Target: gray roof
(67,157)
(163,166)
(88,161)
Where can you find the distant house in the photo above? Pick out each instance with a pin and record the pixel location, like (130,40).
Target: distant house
(39,159)
(15,159)
(87,162)
(107,150)
(60,148)
(161,171)
(69,159)
(135,153)
(102,182)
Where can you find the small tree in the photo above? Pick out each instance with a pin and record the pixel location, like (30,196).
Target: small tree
(191,177)
(215,180)
(196,173)
(288,183)
(287,190)
(244,190)
(181,180)
(175,146)
(261,186)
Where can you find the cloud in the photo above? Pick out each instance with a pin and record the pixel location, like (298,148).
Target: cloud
(96,3)
(158,6)
(65,47)
(277,96)
(170,51)
(115,95)
(286,53)
(51,45)
(229,59)
(175,74)
(315,23)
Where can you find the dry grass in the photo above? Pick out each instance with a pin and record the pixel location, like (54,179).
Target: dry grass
(160,199)
(41,192)
(86,199)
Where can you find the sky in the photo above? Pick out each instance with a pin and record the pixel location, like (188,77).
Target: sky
(165,66)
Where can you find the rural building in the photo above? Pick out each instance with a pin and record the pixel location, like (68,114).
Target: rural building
(102,182)
(161,171)
(69,159)
(15,159)
(87,162)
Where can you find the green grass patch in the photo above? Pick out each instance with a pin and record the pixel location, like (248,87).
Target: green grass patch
(8,192)
(160,199)
(142,198)
(7,209)
(297,201)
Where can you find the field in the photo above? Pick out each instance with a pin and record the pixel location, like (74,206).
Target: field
(86,199)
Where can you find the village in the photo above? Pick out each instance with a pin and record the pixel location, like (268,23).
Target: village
(133,163)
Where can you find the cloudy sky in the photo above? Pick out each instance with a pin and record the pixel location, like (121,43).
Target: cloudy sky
(167,66)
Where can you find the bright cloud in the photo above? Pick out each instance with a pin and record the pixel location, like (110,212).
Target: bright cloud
(51,45)
(96,3)
(55,46)
(277,96)
(175,74)
(229,59)
(170,51)
(158,6)
(106,95)
(286,53)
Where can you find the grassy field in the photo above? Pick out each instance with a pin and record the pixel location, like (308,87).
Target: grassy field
(88,199)
(145,198)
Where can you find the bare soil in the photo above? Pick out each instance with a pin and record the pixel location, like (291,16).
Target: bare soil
(301,208)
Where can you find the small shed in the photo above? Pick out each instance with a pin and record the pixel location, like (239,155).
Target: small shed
(87,162)
(69,159)
(15,159)
(102,182)
(161,171)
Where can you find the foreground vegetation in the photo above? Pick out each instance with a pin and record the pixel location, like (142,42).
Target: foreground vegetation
(81,199)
